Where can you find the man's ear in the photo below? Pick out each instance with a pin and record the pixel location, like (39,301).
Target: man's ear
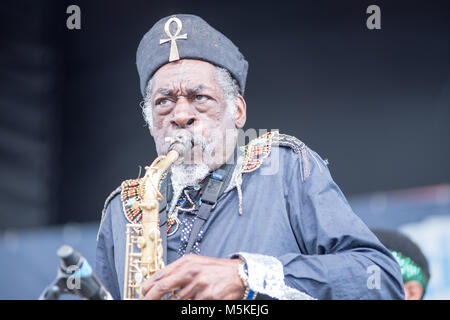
(241,112)
(413,290)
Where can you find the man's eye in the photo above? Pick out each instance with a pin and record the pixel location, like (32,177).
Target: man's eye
(200,97)
(162,102)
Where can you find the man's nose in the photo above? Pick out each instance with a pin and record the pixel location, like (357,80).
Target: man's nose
(184,113)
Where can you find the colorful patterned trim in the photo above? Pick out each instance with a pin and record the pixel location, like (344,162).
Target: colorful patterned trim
(130,196)
(254,155)
(301,150)
(257,151)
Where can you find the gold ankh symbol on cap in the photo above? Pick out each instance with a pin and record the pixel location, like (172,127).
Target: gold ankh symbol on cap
(173,38)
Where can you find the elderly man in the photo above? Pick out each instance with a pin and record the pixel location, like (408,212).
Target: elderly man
(275,227)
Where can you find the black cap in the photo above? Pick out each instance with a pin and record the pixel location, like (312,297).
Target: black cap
(397,241)
(193,38)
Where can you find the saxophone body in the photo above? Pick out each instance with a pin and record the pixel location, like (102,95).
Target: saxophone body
(144,251)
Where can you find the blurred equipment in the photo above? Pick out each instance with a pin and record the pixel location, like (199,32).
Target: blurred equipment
(75,276)
(413,263)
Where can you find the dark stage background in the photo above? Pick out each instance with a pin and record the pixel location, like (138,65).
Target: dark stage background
(375,103)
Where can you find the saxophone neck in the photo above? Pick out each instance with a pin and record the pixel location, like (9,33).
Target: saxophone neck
(172,156)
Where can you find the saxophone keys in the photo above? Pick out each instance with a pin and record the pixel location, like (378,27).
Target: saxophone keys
(141,242)
(144,271)
(138,277)
(153,235)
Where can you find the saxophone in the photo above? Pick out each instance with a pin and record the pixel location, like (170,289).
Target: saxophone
(144,251)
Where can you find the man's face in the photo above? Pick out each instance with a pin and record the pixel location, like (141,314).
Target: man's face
(187,96)
(413,290)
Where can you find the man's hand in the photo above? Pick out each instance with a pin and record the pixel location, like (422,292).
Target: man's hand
(198,278)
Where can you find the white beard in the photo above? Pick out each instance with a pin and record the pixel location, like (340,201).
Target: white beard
(184,175)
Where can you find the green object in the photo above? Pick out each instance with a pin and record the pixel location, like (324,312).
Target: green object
(410,270)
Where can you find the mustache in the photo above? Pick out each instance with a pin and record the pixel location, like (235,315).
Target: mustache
(197,140)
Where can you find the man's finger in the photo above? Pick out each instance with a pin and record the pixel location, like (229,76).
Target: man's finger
(181,265)
(186,293)
(156,290)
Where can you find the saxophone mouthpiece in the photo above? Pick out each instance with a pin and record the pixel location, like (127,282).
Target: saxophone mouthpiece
(181,142)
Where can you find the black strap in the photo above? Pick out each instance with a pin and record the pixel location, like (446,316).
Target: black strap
(214,188)
(163,231)
(163,217)
(203,215)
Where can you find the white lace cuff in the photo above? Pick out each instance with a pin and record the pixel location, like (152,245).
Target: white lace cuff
(266,276)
